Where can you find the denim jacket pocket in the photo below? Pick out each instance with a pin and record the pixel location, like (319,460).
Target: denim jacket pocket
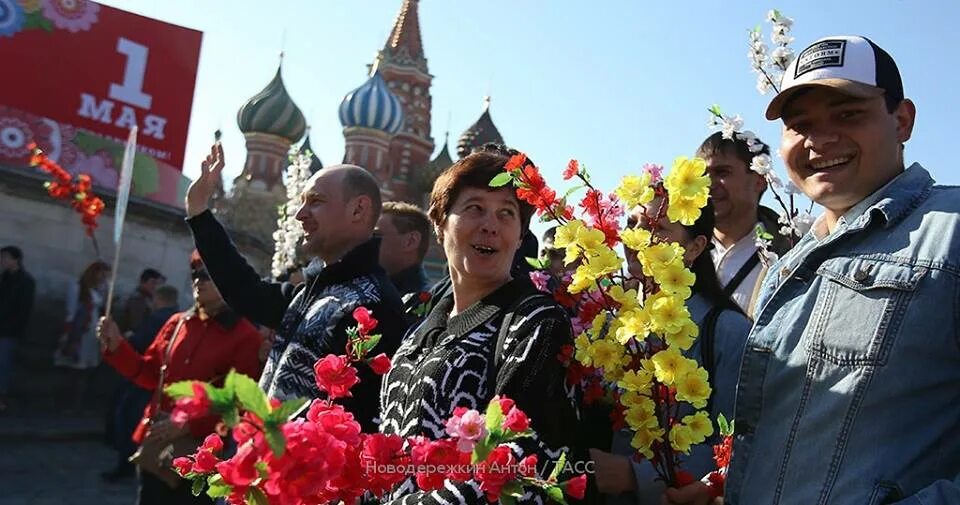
(885,492)
(860,309)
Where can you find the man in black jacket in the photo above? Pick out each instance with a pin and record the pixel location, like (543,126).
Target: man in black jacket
(338,213)
(16,303)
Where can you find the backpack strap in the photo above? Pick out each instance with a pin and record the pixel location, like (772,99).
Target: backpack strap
(742,274)
(707,346)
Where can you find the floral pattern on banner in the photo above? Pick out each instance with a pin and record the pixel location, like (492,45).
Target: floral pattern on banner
(31,6)
(71,15)
(12,18)
(15,135)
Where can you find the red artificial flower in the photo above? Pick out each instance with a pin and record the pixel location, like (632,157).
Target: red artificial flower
(496,471)
(573,167)
(240,470)
(365,321)
(528,466)
(593,392)
(191,407)
(380,364)
(516,161)
(205,462)
(516,421)
(430,455)
(383,459)
(182,465)
(424,296)
(716,482)
(336,421)
(335,376)
(683,478)
(723,451)
(506,404)
(577,486)
(212,443)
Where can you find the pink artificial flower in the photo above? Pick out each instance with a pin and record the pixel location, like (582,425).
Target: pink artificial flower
(577,486)
(540,279)
(205,462)
(655,171)
(365,321)
(468,427)
(212,443)
(182,465)
(240,470)
(573,167)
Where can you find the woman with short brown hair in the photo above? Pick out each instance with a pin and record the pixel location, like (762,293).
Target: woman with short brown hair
(491,335)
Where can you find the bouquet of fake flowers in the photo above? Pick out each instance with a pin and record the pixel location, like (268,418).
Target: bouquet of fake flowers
(78,191)
(630,341)
(325,458)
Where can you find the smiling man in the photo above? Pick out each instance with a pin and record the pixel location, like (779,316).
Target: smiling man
(849,388)
(338,212)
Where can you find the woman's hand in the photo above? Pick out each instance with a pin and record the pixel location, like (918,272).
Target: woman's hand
(613,473)
(695,493)
(202,189)
(109,335)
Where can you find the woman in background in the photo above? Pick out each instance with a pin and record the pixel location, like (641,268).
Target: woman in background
(79,349)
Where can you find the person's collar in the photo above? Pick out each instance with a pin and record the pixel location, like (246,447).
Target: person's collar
(748,240)
(498,300)
(361,260)
(411,275)
(889,203)
(226,318)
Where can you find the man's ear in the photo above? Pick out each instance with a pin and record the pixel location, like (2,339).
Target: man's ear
(906,115)
(694,249)
(359,208)
(411,241)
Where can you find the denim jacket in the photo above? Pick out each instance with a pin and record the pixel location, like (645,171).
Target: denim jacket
(849,390)
(730,334)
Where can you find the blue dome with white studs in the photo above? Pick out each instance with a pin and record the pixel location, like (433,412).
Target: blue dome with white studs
(372,105)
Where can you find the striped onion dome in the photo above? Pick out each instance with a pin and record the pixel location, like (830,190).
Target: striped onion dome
(272,111)
(372,105)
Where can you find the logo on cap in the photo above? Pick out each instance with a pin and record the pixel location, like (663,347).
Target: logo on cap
(826,53)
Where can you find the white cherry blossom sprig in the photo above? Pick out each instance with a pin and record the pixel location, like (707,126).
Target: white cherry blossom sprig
(794,224)
(770,65)
(289,233)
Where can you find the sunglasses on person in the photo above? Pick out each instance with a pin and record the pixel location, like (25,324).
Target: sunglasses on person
(200,275)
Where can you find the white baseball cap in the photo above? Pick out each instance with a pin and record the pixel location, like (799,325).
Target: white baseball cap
(852,65)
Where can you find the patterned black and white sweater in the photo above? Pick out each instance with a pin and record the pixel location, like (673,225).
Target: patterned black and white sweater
(447,362)
(311,318)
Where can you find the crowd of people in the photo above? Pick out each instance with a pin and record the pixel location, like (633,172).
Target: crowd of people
(836,356)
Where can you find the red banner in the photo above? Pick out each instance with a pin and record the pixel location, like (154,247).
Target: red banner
(101,69)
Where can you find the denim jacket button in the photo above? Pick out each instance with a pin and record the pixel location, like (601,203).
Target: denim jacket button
(784,273)
(861,275)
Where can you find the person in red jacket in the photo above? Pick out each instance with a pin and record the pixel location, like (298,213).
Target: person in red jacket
(211,341)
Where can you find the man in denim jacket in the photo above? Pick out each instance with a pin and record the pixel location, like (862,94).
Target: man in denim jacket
(849,388)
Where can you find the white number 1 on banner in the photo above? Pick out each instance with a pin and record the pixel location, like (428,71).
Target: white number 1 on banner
(131,91)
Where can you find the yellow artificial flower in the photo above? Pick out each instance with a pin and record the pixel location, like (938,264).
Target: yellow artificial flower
(688,178)
(639,419)
(700,426)
(566,238)
(670,365)
(636,239)
(667,313)
(635,190)
(657,256)
(632,324)
(590,238)
(582,279)
(644,438)
(683,210)
(582,346)
(606,354)
(693,387)
(614,374)
(632,399)
(636,380)
(676,278)
(628,299)
(681,438)
(684,338)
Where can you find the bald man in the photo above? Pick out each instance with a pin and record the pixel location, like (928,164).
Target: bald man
(338,212)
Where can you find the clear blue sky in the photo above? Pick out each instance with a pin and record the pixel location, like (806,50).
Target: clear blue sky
(615,84)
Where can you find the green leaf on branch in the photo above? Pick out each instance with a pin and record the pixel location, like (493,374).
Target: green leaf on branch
(561,462)
(367,345)
(182,389)
(197,487)
(494,416)
(513,489)
(501,179)
(221,398)
(219,490)
(230,417)
(506,499)
(715,110)
(276,441)
(556,494)
(255,496)
(249,394)
(287,409)
(723,424)
(536,263)
(573,190)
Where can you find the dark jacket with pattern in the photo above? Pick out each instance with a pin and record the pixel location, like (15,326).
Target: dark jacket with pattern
(312,318)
